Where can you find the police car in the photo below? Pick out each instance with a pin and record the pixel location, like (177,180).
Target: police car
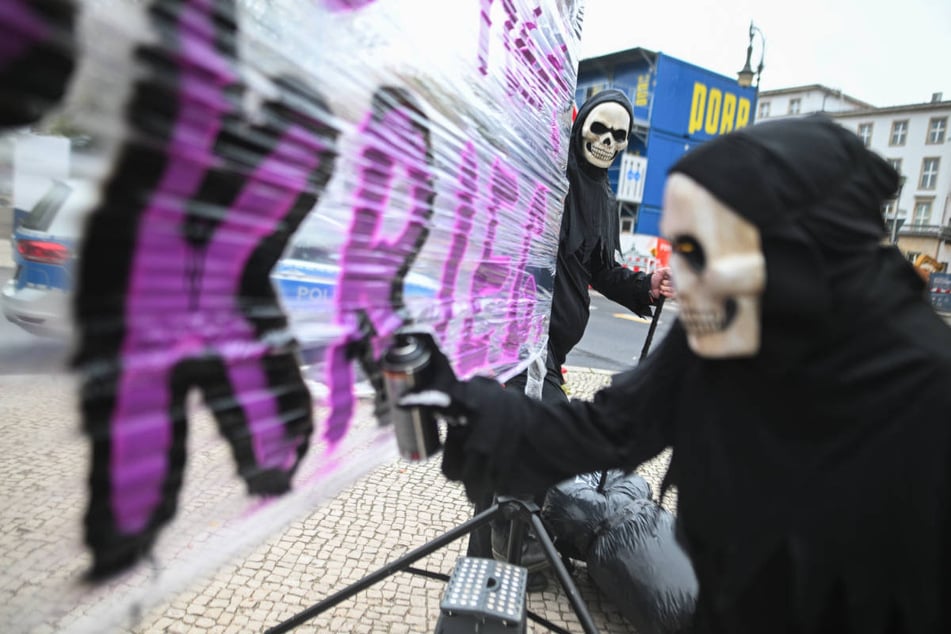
(44,253)
(45,239)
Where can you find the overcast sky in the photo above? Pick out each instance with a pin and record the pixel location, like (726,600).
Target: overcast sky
(884,53)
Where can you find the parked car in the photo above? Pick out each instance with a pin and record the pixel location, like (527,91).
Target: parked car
(44,243)
(306,279)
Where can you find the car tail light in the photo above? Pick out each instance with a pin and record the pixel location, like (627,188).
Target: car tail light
(42,251)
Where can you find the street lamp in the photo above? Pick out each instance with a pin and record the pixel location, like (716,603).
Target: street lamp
(901,185)
(745,76)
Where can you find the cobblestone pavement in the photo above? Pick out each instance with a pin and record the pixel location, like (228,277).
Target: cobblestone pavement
(392,510)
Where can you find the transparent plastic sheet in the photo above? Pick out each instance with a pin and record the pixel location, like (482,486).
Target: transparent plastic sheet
(259,194)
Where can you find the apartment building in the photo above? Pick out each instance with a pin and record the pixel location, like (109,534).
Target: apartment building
(914,138)
(800,100)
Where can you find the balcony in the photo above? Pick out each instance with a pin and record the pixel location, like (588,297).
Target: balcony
(938,232)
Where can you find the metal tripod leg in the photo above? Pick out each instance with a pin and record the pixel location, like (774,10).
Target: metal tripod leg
(389,569)
(527,512)
(522,512)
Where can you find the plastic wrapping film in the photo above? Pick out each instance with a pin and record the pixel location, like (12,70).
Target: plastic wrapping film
(261,193)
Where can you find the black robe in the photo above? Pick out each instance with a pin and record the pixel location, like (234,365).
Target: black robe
(813,479)
(588,240)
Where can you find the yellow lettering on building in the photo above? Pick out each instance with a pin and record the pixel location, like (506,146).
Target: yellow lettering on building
(743,114)
(642,91)
(729,113)
(697,105)
(716,111)
(714,101)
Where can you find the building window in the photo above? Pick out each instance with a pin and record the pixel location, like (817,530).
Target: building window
(929,173)
(922,214)
(627,225)
(891,206)
(795,105)
(888,209)
(763,109)
(899,132)
(865,132)
(936,130)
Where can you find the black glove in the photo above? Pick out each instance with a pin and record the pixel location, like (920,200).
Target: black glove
(437,389)
(433,385)
(484,454)
(482,437)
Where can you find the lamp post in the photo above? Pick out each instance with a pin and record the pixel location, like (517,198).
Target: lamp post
(901,185)
(745,76)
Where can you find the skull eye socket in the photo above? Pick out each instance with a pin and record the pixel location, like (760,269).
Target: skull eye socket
(599,128)
(691,252)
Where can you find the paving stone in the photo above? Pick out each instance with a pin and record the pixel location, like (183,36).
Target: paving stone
(391,510)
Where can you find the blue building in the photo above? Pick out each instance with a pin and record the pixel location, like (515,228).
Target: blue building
(677,106)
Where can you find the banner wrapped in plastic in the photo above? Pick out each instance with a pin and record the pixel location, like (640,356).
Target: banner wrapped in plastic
(221,212)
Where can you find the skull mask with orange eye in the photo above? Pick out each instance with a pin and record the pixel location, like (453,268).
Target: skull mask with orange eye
(719,269)
(605,133)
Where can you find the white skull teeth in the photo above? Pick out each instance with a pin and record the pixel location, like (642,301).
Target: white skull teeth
(600,153)
(704,322)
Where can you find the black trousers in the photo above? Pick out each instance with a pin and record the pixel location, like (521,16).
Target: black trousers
(480,540)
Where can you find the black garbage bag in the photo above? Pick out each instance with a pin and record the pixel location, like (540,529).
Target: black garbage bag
(636,561)
(575,509)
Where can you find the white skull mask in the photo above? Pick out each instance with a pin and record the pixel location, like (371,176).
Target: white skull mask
(605,133)
(718,268)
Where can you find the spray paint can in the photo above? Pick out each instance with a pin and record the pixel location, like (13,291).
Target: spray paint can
(405,365)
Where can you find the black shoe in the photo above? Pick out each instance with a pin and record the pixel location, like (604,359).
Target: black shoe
(533,556)
(536,582)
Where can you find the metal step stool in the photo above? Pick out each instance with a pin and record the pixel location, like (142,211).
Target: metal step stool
(484,596)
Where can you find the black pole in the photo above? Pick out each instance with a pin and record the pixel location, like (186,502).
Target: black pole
(650,331)
(571,590)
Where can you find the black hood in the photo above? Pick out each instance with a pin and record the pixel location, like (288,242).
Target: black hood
(815,192)
(591,219)
(810,171)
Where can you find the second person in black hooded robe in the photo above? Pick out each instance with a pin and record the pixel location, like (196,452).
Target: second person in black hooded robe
(588,241)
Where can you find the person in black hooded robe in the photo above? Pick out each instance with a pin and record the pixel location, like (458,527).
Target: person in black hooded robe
(590,236)
(588,241)
(811,449)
